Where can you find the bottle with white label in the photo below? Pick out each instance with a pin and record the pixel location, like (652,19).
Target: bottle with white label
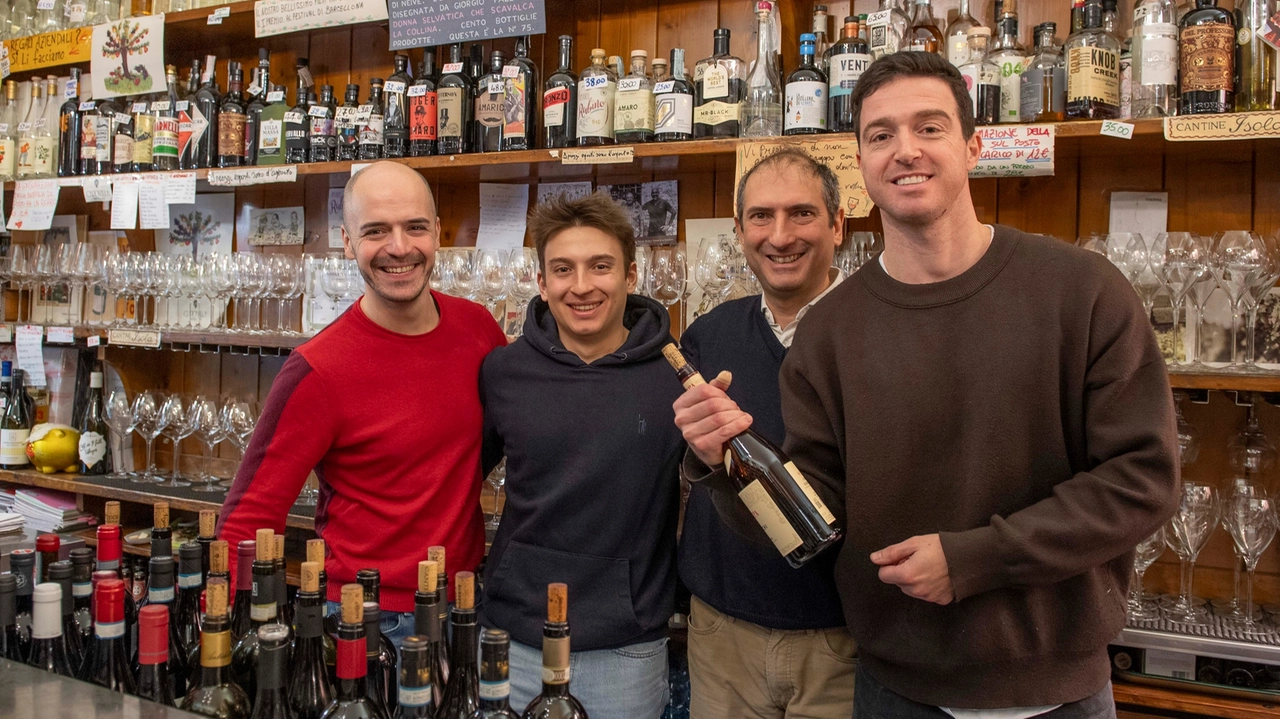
(395,130)
(720,89)
(673,102)
(144,126)
(297,126)
(36,146)
(322,133)
(560,101)
(15,425)
(164,137)
(887,29)
(1155,59)
(806,96)
(490,94)
(1044,81)
(1009,55)
(520,100)
(9,133)
(94,457)
(849,58)
(454,96)
(369,119)
(958,35)
(633,103)
(1093,69)
(596,89)
(271,126)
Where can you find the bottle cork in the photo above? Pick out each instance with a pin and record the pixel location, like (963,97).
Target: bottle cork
(557,602)
(310,577)
(208,522)
(436,554)
(160,515)
(111,513)
(427,576)
(315,553)
(264,544)
(218,557)
(352,604)
(279,550)
(464,590)
(215,597)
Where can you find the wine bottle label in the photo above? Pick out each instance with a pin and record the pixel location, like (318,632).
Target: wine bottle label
(371,133)
(321,128)
(189,581)
(847,67)
(108,630)
(42,154)
(1093,73)
(8,156)
(422,115)
(717,113)
(215,649)
(164,143)
(806,106)
(555,660)
(595,108)
(715,82)
(451,101)
(93,447)
(13,446)
(633,110)
(231,133)
(513,107)
(262,612)
(492,691)
(309,620)
(805,487)
(82,589)
(88,141)
(160,595)
(489,110)
(421,696)
(674,113)
(554,102)
(1208,58)
(769,516)
(199,125)
(143,127)
(1157,54)
(1011,89)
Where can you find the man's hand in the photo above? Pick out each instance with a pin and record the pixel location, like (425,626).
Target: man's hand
(918,567)
(708,418)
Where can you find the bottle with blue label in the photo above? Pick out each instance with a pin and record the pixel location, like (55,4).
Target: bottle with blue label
(806,94)
(846,61)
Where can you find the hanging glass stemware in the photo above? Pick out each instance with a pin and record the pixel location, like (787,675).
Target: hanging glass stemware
(1188,532)
(1239,256)
(1182,264)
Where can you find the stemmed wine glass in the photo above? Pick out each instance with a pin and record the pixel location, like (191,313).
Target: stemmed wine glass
(148,422)
(1145,261)
(239,416)
(1251,521)
(666,276)
(522,278)
(1239,257)
(22,274)
(1201,290)
(711,272)
(119,411)
(1189,531)
(491,277)
(217,281)
(1181,265)
(178,424)
(1145,554)
(210,430)
(1256,289)
(496,479)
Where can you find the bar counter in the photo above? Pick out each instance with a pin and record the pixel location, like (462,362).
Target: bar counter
(28,693)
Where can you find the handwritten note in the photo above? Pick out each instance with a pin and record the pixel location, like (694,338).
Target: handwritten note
(180,188)
(124,203)
(1015,151)
(598,155)
(134,337)
(840,155)
(49,49)
(61,335)
(1114,128)
(34,202)
(253,176)
(153,207)
(96,189)
(275,17)
(502,216)
(30,351)
(335,218)
(1236,126)
(420,23)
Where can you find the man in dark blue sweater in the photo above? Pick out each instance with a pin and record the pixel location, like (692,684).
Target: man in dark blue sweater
(581,405)
(765,641)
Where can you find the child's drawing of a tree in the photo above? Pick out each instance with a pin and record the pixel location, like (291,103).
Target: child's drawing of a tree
(194,229)
(127,38)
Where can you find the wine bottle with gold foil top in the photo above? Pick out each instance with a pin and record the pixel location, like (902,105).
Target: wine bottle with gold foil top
(352,701)
(310,689)
(462,696)
(426,624)
(555,699)
(215,694)
(768,482)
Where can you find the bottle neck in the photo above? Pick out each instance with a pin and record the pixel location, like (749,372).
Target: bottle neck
(722,46)
(352,667)
(806,57)
(426,617)
(964,9)
(271,670)
(465,638)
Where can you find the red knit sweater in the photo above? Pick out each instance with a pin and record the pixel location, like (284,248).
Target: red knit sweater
(391,423)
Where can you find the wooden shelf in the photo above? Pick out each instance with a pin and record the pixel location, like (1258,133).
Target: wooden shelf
(1268,382)
(1132,698)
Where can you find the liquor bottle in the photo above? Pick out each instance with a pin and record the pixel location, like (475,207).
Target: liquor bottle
(1155,52)
(762,110)
(1043,93)
(161,533)
(22,564)
(560,101)
(440,664)
(154,680)
(48,645)
(284,610)
(1206,44)
(231,120)
(352,701)
(271,702)
(262,611)
(268,130)
(490,94)
(597,86)
(520,100)
(15,427)
(820,42)
(382,654)
(186,617)
(495,682)
(371,120)
(1077,16)
(673,102)
(426,625)
(958,35)
(144,127)
(455,98)
(122,138)
(204,117)
(164,137)
(1110,18)
(309,689)
(475,65)
(778,495)
(47,549)
(215,694)
(60,573)
(660,70)
(188,137)
(6,384)
(633,103)
(849,58)
(806,109)
(1093,70)
(246,554)
(719,92)
(396,120)
(322,133)
(555,699)
(255,99)
(416,696)
(30,165)
(69,128)
(348,132)
(888,29)
(88,140)
(462,695)
(93,456)
(297,124)
(103,134)
(1256,62)
(9,134)
(82,592)
(107,660)
(1011,58)
(160,591)
(924,35)
(11,643)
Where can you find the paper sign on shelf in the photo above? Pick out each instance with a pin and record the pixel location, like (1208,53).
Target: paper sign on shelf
(61,335)
(1235,126)
(93,341)
(1115,128)
(33,204)
(274,17)
(598,155)
(30,353)
(421,23)
(502,216)
(124,203)
(1015,151)
(134,337)
(96,189)
(152,205)
(253,176)
(180,188)
(335,218)
(840,155)
(6,333)
(49,49)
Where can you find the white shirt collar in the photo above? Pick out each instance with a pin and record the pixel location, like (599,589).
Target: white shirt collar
(786,334)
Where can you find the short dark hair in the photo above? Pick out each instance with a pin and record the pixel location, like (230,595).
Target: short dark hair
(596,210)
(797,158)
(909,63)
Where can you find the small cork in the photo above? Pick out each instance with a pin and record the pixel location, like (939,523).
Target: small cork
(436,554)
(218,557)
(111,513)
(673,355)
(464,588)
(427,575)
(310,577)
(279,553)
(558,602)
(160,515)
(264,543)
(208,522)
(215,597)
(352,604)
(315,553)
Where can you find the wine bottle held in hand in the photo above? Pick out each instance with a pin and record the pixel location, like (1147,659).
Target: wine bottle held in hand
(779,497)
(352,701)
(555,701)
(462,696)
(215,694)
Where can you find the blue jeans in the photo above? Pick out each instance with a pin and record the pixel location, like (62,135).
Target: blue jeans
(873,700)
(395,625)
(625,683)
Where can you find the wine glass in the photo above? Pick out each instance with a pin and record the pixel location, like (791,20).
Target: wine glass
(217,280)
(1143,270)
(239,416)
(1181,265)
(666,276)
(119,412)
(46,268)
(1233,608)
(177,424)
(210,430)
(1240,256)
(148,422)
(1145,554)
(1251,521)
(711,272)
(643,254)
(1201,290)
(1257,288)
(21,273)
(496,479)
(491,277)
(522,276)
(1189,531)
(1188,436)
(1251,452)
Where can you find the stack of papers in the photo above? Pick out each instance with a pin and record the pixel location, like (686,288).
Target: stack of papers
(6,500)
(45,510)
(10,523)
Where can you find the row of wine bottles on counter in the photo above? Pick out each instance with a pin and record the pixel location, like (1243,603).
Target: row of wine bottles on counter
(262,656)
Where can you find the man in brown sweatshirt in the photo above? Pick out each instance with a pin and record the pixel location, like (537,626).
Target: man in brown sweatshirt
(988,413)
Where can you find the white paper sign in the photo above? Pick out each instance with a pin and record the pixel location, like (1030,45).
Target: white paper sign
(253,176)
(124,204)
(6,334)
(30,351)
(34,202)
(61,335)
(96,189)
(93,341)
(127,57)
(1114,128)
(335,218)
(153,207)
(1015,151)
(502,216)
(273,17)
(1146,213)
(180,188)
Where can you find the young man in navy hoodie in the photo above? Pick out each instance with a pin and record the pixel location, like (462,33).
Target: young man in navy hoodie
(581,405)
(765,641)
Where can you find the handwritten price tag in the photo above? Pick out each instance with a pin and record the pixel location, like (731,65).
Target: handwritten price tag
(1112,128)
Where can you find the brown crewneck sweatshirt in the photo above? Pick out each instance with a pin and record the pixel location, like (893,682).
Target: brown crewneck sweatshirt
(1021,410)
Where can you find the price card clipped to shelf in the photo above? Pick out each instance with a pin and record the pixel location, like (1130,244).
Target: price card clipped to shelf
(60,335)
(253,176)
(1015,151)
(133,337)
(598,155)
(1115,128)
(1235,126)
(216,17)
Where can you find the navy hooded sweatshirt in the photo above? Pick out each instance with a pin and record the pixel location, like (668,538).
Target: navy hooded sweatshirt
(592,486)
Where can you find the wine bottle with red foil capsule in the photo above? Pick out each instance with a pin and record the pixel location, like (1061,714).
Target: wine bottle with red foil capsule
(215,694)
(415,698)
(161,533)
(426,625)
(262,611)
(160,591)
(48,645)
(462,696)
(60,574)
(154,682)
(47,548)
(310,690)
(241,623)
(10,645)
(82,592)
(386,655)
(352,701)
(440,660)
(109,554)
(271,702)
(555,700)
(107,661)
(22,563)
(780,498)
(186,617)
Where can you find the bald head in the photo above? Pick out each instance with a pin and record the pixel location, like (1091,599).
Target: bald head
(385,178)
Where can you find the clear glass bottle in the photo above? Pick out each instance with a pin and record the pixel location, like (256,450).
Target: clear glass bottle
(660,70)
(762,111)
(1093,69)
(9,133)
(35,144)
(1009,55)
(1206,47)
(597,86)
(806,110)
(1111,18)
(633,103)
(673,102)
(820,43)
(958,35)
(887,29)
(982,77)
(924,35)
(1155,59)
(22,19)
(1126,77)
(1256,60)
(1043,90)
(50,18)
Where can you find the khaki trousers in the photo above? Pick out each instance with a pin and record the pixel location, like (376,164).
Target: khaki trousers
(740,670)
